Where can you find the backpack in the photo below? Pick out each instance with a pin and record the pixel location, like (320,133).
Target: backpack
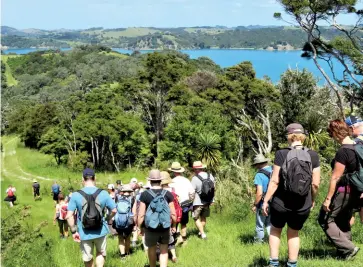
(10,193)
(267,173)
(207,192)
(91,216)
(356,178)
(63,211)
(158,213)
(178,209)
(297,172)
(124,216)
(55,190)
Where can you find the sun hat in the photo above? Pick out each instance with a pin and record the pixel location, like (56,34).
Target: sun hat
(141,184)
(133,180)
(259,158)
(154,175)
(176,167)
(198,165)
(166,178)
(34,181)
(147,186)
(351,120)
(118,182)
(88,172)
(110,187)
(295,128)
(127,188)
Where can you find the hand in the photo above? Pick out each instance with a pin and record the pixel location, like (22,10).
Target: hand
(173,229)
(265,208)
(76,237)
(326,205)
(254,208)
(313,205)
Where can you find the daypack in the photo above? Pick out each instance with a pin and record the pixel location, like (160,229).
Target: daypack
(207,192)
(267,173)
(158,213)
(91,215)
(10,193)
(63,211)
(297,172)
(55,190)
(356,178)
(178,209)
(124,216)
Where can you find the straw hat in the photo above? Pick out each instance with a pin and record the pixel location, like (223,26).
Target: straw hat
(154,175)
(133,180)
(34,181)
(198,165)
(166,178)
(176,167)
(259,158)
(127,188)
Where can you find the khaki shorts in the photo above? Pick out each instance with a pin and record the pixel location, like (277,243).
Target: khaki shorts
(201,211)
(152,238)
(88,245)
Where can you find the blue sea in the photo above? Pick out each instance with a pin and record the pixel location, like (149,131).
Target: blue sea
(266,63)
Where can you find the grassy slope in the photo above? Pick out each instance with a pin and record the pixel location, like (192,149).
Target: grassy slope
(129,32)
(9,76)
(229,238)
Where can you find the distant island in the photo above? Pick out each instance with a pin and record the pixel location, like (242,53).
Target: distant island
(204,37)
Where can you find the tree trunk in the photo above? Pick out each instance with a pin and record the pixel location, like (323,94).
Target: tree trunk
(97,153)
(113,158)
(93,153)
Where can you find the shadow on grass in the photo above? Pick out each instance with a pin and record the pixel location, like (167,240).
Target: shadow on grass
(259,262)
(193,232)
(247,239)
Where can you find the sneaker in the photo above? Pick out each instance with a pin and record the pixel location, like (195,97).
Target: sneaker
(351,255)
(133,244)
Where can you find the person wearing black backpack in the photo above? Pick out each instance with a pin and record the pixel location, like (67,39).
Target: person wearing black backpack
(91,229)
(292,190)
(343,196)
(204,186)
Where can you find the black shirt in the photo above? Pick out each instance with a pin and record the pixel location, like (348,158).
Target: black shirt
(281,197)
(36,185)
(346,156)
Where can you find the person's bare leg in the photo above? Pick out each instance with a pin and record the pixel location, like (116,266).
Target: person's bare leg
(66,229)
(88,263)
(183,230)
(100,260)
(352,220)
(173,254)
(163,260)
(151,251)
(274,241)
(199,225)
(127,244)
(203,220)
(121,244)
(293,242)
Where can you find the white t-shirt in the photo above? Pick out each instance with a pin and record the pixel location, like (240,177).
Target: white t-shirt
(183,187)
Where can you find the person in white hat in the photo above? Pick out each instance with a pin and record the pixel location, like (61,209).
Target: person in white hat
(36,189)
(184,189)
(202,202)
(262,178)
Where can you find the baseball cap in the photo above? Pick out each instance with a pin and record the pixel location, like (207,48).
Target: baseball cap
(110,187)
(295,128)
(88,172)
(351,120)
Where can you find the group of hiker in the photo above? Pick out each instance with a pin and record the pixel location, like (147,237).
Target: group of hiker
(286,191)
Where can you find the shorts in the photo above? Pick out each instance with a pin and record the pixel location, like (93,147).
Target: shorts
(125,232)
(152,238)
(55,196)
(201,211)
(88,245)
(36,192)
(294,219)
(185,218)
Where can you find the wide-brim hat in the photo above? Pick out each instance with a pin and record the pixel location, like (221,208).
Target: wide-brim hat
(198,165)
(154,175)
(34,181)
(176,167)
(110,187)
(127,188)
(259,159)
(166,179)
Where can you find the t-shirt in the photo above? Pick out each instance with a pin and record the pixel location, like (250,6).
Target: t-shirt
(346,156)
(281,197)
(55,188)
(36,185)
(197,185)
(59,207)
(183,187)
(12,189)
(76,204)
(262,180)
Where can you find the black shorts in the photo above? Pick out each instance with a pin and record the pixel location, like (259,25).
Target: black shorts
(185,218)
(36,192)
(294,219)
(55,196)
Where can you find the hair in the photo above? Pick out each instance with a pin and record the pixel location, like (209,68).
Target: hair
(60,197)
(296,137)
(339,129)
(86,178)
(261,165)
(157,183)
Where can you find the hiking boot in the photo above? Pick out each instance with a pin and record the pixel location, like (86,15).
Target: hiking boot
(351,255)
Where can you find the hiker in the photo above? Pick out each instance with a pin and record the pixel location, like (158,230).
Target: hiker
(186,193)
(55,191)
(156,225)
(342,197)
(92,230)
(166,185)
(124,220)
(60,215)
(10,195)
(118,188)
(204,185)
(294,185)
(112,193)
(135,210)
(262,178)
(36,190)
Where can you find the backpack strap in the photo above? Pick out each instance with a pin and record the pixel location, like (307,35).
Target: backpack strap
(201,178)
(265,172)
(163,193)
(151,193)
(95,194)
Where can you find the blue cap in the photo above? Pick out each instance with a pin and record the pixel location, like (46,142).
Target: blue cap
(88,172)
(351,120)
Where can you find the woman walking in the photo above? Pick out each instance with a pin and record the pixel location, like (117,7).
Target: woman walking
(60,215)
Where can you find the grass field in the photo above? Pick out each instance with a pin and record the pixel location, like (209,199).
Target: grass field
(9,76)
(229,234)
(129,32)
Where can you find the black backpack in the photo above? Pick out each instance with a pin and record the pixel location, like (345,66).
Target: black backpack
(297,172)
(355,179)
(207,192)
(91,215)
(267,173)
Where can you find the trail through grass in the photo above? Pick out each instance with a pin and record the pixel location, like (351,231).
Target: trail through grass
(230,234)
(9,76)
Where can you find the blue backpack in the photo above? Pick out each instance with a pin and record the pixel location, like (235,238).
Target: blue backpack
(124,217)
(158,213)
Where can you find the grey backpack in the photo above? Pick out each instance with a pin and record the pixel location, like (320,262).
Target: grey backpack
(297,171)
(91,215)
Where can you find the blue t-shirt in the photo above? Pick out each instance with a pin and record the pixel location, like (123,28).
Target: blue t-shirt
(76,204)
(55,188)
(263,180)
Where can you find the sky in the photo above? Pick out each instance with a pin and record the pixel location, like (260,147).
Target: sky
(82,14)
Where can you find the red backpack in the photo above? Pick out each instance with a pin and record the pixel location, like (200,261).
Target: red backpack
(64,210)
(10,193)
(178,209)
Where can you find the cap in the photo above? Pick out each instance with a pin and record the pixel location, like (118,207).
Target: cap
(295,128)
(110,187)
(133,180)
(88,172)
(351,120)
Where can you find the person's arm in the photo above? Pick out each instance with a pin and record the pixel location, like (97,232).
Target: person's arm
(258,197)
(111,206)
(134,211)
(315,184)
(173,216)
(141,215)
(191,192)
(338,171)
(70,220)
(272,187)
(55,214)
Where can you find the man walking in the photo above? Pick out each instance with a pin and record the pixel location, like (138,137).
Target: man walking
(204,186)
(92,227)
(262,178)
(356,124)
(55,192)
(185,192)
(36,189)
